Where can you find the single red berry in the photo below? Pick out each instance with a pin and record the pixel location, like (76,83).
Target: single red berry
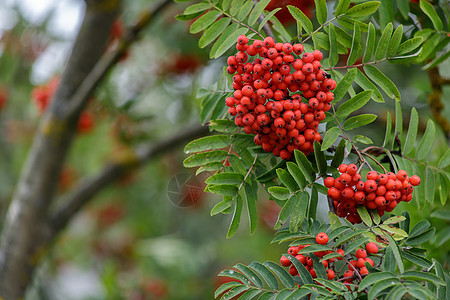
(414,180)
(322,238)
(361,253)
(328,182)
(372,248)
(330,274)
(285,261)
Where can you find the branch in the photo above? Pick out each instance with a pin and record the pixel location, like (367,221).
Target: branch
(23,237)
(89,187)
(435,99)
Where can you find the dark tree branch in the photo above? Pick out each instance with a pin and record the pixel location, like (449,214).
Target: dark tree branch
(89,187)
(435,99)
(23,240)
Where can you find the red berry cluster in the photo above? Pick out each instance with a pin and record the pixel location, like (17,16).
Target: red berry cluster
(42,96)
(381,191)
(262,102)
(356,261)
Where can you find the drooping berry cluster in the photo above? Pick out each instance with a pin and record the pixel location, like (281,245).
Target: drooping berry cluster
(262,102)
(356,261)
(380,191)
(42,96)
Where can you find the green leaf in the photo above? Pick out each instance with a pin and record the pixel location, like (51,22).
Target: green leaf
(302,271)
(353,104)
(267,18)
(278,27)
(389,259)
(350,247)
(443,188)
(250,294)
(344,85)
(395,41)
(370,43)
(285,212)
(298,15)
(284,276)
(222,206)
(216,29)
(207,143)
(222,125)
(373,278)
(427,141)
(199,159)
(199,7)
(226,286)
(339,154)
(314,248)
(237,164)
(235,6)
(305,165)
(429,185)
(409,45)
(280,193)
(421,238)
(337,232)
(321,11)
(363,9)
(225,178)
(354,50)
(383,81)
(381,286)
(415,259)
(223,189)
(235,275)
(430,11)
(438,60)
(330,137)
(297,174)
(270,174)
(365,217)
(445,160)
(257,11)
(387,136)
(203,22)
(333,53)
(408,146)
(349,23)
(394,220)
(429,48)
(226,4)
(342,7)
(249,274)
(236,220)
(266,274)
(383,43)
(358,121)
(299,210)
(320,159)
(396,252)
(251,193)
(415,275)
(313,200)
(287,180)
(394,230)
(403,7)
(214,166)
(231,35)
(245,10)
(366,84)
(386,13)
(348,236)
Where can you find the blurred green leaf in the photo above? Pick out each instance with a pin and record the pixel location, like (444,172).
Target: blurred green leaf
(383,42)
(354,50)
(236,219)
(225,178)
(195,8)
(207,143)
(363,9)
(297,174)
(333,54)
(215,30)
(199,159)
(342,7)
(427,141)
(321,11)
(409,45)
(284,276)
(430,11)
(358,121)
(408,146)
(394,43)
(204,21)
(298,15)
(244,10)
(257,11)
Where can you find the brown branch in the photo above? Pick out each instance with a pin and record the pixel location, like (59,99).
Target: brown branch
(90,187)
(435,99)
(25,236)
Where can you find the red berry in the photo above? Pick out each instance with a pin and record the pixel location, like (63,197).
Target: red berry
(328,182)
(322,238)
(330,274)
(361,253)
(285,261)
(372,248)
(414,180)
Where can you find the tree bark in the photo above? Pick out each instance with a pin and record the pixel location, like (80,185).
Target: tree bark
(25,234)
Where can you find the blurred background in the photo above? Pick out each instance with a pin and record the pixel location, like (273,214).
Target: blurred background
(150,235)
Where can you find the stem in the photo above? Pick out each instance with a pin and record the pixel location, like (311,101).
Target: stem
(376,161)
(320,27)
(356,66)
(236,20)
(248,173)
(348,139)
(355,271)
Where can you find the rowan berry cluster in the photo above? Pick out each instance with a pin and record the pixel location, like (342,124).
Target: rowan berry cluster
(42,96)
(380,191)
(356,262)
(281,96)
